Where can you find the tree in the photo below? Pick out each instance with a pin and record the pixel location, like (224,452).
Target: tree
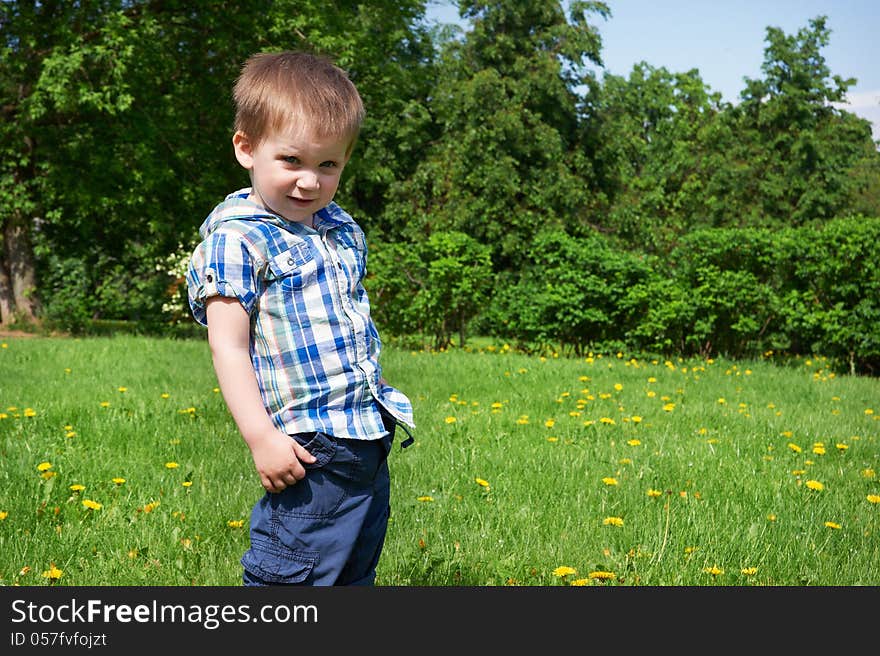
(505,161)
(787,154)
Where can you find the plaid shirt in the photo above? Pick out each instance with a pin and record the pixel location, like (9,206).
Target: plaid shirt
(314,346)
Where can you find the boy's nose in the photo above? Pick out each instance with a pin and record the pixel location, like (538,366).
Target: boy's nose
(308,180)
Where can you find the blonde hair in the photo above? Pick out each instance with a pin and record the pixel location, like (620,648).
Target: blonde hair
(277,91)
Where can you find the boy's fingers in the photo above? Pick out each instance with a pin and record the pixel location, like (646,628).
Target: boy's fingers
(302,454)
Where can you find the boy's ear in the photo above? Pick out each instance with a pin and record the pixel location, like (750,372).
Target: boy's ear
(244,150)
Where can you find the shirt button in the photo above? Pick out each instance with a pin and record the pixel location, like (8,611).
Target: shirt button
(290,261)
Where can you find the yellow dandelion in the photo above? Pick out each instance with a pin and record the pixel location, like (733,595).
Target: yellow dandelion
(832,525)
(187,483)
(564,570)
(165,395)
(815,485)
(771,518)
(48,474)
(497,406)
(634,442)
(607,420)
(70,434)
(714,570)
(523,420)
(819,449)
(869,411)
(608,480)
(482,483)
(3,515)
(722,401)
(636,419)
(612,521)
(122,389)
(451,420)
(77,487)
(44,466)
(235,523)
(30,412)
(172,465)
(552,439)
(424,498)
(874,498)
(105,404)
(749,571)
(669,407)
(118,480)
(579,582)
(794,447)
(654,493)
(618,387)
(869,473)
(92,505)
(550,423)
(53,573)
(841,446)
(690,550)
(150,507)
(601,575)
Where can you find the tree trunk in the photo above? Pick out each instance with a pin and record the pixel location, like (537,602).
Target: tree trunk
(18,258)
(7,303)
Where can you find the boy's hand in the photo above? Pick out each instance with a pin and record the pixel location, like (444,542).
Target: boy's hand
(278,459)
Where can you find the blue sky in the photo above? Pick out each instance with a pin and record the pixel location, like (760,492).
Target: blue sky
(725,40)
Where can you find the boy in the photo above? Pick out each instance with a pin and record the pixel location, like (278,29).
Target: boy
(277,280)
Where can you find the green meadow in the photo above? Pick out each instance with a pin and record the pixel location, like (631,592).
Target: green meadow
(120,465)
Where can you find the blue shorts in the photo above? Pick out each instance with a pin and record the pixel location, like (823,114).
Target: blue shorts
(329,527)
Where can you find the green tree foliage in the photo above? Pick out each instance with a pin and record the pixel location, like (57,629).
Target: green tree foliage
(504,162)
(785,154)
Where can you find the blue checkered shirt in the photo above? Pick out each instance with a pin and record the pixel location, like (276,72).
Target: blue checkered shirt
(313,343)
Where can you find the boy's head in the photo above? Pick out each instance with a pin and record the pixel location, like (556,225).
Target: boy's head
(283,91)
(296,122)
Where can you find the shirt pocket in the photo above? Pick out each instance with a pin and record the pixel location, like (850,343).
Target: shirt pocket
(352,249)
(296,267)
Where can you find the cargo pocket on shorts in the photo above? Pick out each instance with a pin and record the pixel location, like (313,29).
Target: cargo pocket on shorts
(275,563)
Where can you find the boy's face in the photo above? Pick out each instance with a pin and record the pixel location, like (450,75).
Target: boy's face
(293,174)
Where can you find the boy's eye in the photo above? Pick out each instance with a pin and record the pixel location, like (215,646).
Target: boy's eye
(328,165)
(290,159)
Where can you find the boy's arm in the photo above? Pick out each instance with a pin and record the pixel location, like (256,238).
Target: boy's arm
(276,456)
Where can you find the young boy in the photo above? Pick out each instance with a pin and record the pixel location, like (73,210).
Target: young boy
(277,280)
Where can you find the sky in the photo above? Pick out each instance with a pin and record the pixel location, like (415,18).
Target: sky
(725,40)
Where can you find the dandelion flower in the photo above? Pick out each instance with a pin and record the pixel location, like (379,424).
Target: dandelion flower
(30,412)
(187,483)
(3,515)
(618,387)
(749,571)
(669,407)
(235,523)
(874,498)
(172,465)
(815,485)
(636,419)
(550,423)
(601,575)
(150,507)
(794,447)
(105,404)
(654,493)
(714,570)
(122,389)
(607,420)
(91,505)
(832,525)
(612,521)
(482,483)
(564,570)
(44,466)
(424,498)
(451,420)
(608,480)
(53,573)
(118,480)
(634,442)
(77,487)
(580,582)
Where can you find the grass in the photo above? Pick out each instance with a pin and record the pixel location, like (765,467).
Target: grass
(527,470)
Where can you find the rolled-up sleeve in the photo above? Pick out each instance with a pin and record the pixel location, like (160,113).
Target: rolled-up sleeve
(222,265)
